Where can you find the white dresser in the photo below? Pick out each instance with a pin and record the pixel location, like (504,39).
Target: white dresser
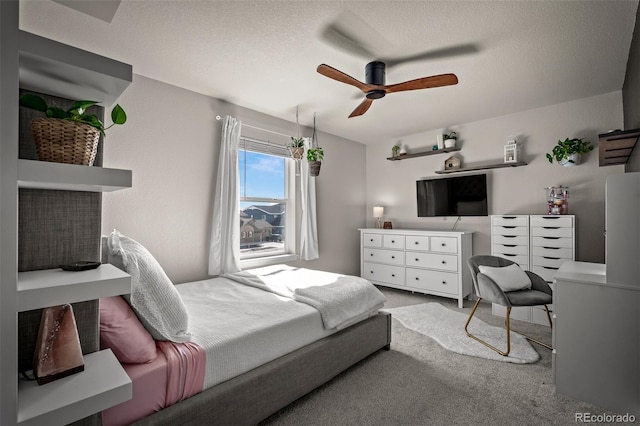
(431,262)
(538,243)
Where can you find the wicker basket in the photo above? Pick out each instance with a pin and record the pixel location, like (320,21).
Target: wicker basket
(64,141)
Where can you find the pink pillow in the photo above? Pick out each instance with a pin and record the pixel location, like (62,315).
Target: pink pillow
(122,332)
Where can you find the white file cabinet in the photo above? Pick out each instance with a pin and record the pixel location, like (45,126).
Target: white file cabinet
(538,243)
(431,262)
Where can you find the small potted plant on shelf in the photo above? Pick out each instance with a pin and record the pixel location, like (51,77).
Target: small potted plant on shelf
(450,139)
(569,151)
(296,147)
(68,136)
(315,157)
(395,150)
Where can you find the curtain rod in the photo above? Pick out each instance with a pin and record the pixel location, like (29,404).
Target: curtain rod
(259,128)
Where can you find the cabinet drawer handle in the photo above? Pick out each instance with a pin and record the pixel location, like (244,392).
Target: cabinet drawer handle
(550,217)
(549,257)
(416,243)
(549,267)
(444,282)
(443,244)
(417,260)
(551,248)
(393,241)
(508,254)
(371,272)
(552,238)
(508,236)
(393,275)
(393,257)
(444,262)
(550,227)
(509,245)
(371,255)
(417,279)
(371,240)
(509,217)
(508,227)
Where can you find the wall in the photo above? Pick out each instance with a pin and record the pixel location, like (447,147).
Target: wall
(630,95)
(171,142)
(517,190)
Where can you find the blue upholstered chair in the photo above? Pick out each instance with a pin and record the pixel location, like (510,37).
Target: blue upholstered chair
(486,288)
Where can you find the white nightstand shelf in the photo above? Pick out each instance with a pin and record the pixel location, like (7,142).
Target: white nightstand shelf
(51,287)
(71,177)
(102,384)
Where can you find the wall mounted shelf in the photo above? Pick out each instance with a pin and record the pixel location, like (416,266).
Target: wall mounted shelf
(482,167)
(50,287)
(422,154)
(616,147)
(71,177)
(101,385)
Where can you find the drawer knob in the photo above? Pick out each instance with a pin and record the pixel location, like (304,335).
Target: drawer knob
(416,243)
(371,272)
(371,240)
(444,282)
(393,257)
(443,245)
(393,275)
(417,279)
(393,241)
(417,260)
(444,262)
(371,255)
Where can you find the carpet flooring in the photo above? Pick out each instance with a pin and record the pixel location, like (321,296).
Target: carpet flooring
(418,382)
(446,327)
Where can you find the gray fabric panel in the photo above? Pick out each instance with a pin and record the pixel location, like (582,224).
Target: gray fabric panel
(56,227)
(529,298)
(538,283)
(27,148)
(86,315)
(255,395)
(491,291)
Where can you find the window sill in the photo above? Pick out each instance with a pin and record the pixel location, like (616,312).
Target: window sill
(268,260)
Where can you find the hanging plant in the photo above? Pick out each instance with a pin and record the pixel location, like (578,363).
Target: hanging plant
(567,152)
(315,157)
(297,148)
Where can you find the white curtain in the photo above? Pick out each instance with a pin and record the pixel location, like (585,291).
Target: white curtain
(224,251)
(308,226)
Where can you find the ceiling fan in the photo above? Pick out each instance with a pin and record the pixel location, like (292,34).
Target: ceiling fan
(375,87)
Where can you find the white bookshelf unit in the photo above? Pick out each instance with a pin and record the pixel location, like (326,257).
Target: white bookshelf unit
(35,63)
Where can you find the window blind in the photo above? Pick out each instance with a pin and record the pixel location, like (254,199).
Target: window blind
(264,147)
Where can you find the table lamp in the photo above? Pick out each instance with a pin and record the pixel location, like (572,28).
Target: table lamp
(377,214)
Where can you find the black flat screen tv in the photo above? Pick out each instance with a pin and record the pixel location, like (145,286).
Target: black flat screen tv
(452,196)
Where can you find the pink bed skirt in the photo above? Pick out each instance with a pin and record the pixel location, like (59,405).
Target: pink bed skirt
(176,374)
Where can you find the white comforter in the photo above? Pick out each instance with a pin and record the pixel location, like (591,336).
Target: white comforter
(341,299)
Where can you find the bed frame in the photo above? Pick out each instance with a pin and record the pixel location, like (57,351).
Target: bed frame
(255,395)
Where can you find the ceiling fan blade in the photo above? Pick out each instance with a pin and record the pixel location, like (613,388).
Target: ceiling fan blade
(423,83)
(337,36)
(462,49)
(362,108)
(338,75)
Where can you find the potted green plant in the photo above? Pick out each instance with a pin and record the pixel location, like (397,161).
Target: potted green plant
(296,147)
(71,135)
(395,150)
(450,139)
(569,151)
(315,157)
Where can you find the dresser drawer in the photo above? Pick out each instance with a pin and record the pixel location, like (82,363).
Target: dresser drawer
(557,252)
(511,230)
(393,241)
(521,260)
(559,221)
(372,240)
(510,249)
(445,262)
(519,240)
(444,282)
(510,221)
(552,262)
(378,272)
(552,242)
(546,272)
(551,231)
(391,257)
(444,244)
(416,242)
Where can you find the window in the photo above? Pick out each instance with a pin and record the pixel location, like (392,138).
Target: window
(267,203)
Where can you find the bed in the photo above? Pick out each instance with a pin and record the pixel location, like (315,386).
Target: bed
(256,341)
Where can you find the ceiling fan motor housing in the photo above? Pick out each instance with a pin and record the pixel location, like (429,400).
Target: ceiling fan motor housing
(374,74)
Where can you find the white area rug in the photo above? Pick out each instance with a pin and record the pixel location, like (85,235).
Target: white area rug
(447,328)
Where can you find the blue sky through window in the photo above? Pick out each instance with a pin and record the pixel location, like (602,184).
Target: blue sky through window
(261,175)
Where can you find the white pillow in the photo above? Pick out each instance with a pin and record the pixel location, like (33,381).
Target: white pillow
(154,298)
(508,278)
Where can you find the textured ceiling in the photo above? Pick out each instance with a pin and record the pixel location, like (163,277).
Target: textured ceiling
(512,55)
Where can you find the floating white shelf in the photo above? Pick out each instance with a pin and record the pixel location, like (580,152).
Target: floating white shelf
(51,287)
(47,66)
(102,384)
(71,177)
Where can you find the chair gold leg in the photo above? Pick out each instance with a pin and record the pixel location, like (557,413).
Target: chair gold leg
(531,339)
(466,326)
